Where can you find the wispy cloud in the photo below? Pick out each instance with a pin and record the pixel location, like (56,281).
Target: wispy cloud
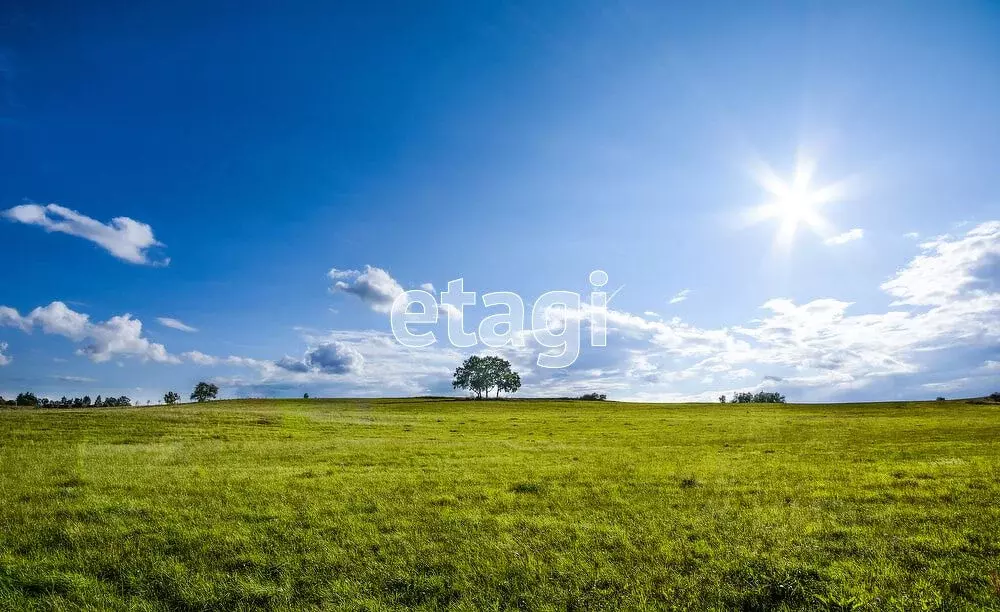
(175,324)
(681,296)
(848,236)
(123,237)
(4,359)
(75,379)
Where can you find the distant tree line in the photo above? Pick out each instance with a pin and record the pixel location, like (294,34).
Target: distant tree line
(760,397)
(203,391)
(28,399)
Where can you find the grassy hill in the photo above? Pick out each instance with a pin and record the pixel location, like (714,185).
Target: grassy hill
(375,504)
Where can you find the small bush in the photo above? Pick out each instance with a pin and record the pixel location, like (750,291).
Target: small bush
(690,482)
(527,487)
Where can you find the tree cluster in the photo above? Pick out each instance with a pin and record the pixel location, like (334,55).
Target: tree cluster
(481,374)
(760,397)
(594,397)
(28,399)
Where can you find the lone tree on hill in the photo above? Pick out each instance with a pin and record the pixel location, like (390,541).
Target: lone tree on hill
(204,391)
(171,398)
(480,374)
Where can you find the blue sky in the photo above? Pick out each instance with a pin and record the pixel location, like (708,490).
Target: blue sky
(248,149)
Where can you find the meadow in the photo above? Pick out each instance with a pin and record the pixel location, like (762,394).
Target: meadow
(393,504)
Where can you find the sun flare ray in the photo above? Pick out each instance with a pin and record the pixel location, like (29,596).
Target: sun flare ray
(796,202)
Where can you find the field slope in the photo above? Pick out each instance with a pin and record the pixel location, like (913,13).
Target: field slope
(382,504)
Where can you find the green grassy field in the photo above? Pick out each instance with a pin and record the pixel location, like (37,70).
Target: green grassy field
(388,504)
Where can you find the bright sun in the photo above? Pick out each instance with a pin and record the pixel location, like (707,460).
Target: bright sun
(793,203)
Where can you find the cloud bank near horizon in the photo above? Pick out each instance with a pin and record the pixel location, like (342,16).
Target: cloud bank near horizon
(944,302)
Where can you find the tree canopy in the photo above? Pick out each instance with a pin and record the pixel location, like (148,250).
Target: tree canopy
(481,374)
(204,391)
(760,397)
(27,399)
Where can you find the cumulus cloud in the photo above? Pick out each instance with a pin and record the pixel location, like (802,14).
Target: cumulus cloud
(950,268)
(175,324)
(123,237)
(373,286)
(428,287)
(946,306)
(334,364)
(118,336)
(681,296)
(819,349)
(4,359)
(333,357)
(292,364)
(848,236)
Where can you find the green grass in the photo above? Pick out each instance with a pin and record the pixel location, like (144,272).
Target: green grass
(389,504)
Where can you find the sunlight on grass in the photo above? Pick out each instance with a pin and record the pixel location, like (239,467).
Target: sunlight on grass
(534,505)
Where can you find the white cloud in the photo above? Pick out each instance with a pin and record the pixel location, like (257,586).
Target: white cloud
(199,358)
(175,324)
(822,349)
(948,385)
(75,379)
(950,268)
(848,236)
(428,287)
(333,357)
(123,237)
(650,313)
(912,235)
(374,286)
(10,318)
(681,296)
(61,320)
(4,359)
(119,335)
(335,364)
(336,274)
